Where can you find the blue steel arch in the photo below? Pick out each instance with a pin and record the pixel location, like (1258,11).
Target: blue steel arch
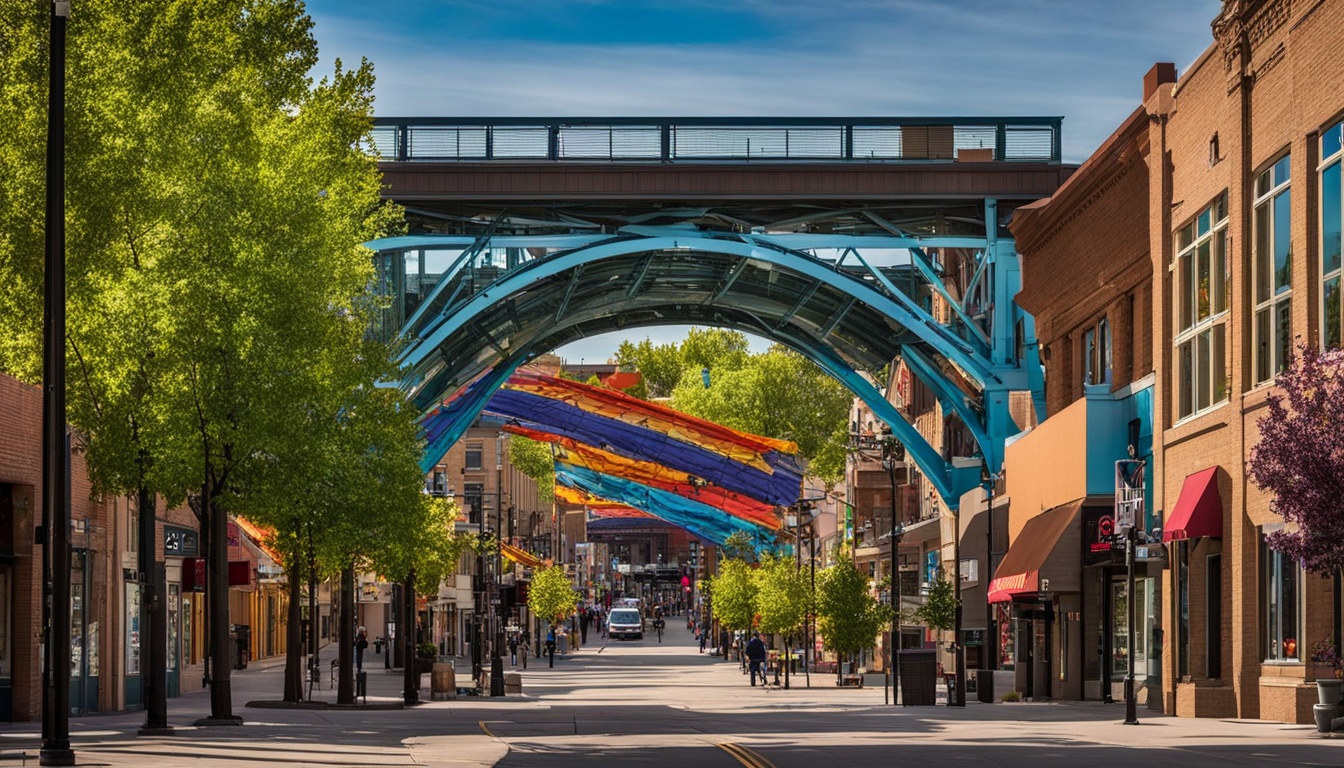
(996,358)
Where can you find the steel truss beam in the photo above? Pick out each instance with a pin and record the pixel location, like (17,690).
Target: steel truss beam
(987,357)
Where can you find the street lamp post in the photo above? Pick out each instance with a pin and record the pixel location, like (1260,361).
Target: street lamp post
(890,451)
(55,460)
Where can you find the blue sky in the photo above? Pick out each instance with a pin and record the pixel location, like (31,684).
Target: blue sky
(1080,59)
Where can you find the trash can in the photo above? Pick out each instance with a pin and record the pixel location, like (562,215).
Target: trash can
(919,678)
(241,635)
(362,684)
(984,685)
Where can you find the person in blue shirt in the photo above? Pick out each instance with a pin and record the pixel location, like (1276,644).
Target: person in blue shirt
(756,657)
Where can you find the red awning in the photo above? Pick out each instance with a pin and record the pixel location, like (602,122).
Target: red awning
(1199,508)
(1002,589)
(1020,571)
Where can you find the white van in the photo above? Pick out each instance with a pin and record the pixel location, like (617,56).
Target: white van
(625,622)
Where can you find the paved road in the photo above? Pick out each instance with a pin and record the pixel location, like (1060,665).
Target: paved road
(650,704)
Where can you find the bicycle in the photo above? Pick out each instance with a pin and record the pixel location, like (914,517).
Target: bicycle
(658,625)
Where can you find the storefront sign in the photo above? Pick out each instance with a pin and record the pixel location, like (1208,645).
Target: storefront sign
(180,542)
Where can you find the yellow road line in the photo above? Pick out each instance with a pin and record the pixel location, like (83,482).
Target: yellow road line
(748,757)
(486,728)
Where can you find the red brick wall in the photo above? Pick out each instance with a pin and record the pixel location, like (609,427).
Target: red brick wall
(21,466)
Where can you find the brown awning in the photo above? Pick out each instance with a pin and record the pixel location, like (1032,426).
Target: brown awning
(1030,555)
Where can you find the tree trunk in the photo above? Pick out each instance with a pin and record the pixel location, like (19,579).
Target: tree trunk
(217,587)
(406,626)
(153,622)
(293,632)
(345,686)
(314,650)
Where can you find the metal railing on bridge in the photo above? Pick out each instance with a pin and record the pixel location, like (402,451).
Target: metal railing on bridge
(719,139)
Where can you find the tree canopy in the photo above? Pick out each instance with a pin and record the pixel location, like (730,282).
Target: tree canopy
(783,595)
(849,617)
(734,602)
(534,459)
(1299,459)
(940,607)
(778,393)
(551,596)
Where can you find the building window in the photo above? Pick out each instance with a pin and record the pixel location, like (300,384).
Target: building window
(473,463)
(1330,218)
(1201,302)
(1273,271)
(1213,628)
(1282,587)
(1097,353)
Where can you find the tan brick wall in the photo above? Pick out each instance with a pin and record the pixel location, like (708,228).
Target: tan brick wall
(1288,87)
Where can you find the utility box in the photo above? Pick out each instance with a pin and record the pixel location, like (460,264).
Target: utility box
(984,685)
(919,678)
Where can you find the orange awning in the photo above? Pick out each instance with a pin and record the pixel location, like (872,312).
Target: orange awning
(520,556)
(1199,508)
(1002,589)
(1020,571)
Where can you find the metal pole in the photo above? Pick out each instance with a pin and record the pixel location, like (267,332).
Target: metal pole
(496,660)
(1131,704)
(895,644)
(55,463)
(959,652)
(991,660)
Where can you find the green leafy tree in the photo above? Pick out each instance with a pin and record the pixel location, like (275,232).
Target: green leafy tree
(783,599)
(551,596)
(735,595)
(939,610)
(740,546)
(849,617)
(217,197)
(781,394)
(534,459)
(659,366)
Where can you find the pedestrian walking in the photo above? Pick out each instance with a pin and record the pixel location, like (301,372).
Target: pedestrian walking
(361,642)
(756,657)
(585,618)
(513,650)
(550,645)
(704,634)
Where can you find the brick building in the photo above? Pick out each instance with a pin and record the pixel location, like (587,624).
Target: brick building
(1225,184)
(1244,223)
(1087,281)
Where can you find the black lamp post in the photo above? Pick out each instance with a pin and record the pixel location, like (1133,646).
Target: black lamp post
(886,448)
(55,461)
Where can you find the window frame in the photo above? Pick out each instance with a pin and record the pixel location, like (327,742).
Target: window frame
(1272,343)
(478,450)
(1274,634)
(1205,337)
(1331,153)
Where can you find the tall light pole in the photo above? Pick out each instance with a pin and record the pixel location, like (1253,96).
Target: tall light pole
(55,461)
(889,451)
(1129,515)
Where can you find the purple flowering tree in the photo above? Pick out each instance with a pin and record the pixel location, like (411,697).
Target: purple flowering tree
(1300,459)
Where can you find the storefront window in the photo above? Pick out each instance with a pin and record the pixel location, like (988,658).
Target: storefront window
(132,628)
(1282,580)
(174,619)
(1005,621)
(1120,627)
(77,638)
(5,662)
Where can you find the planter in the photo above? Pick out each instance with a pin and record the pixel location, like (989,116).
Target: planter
(1328,689)
(424,664)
